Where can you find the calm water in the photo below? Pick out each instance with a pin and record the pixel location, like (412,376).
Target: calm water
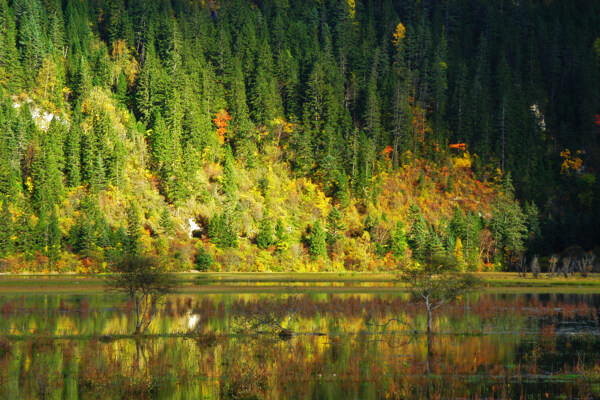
(486,346)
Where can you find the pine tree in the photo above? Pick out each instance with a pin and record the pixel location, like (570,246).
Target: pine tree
(133,244)
(6,230)
(54,238)
(228,182)
(203,260)
(419,237)
(398,241)
(508,222)
(281,236)
(264,239)
(221,232)
(10,68)
(317,244)
(335,226)
(166,222)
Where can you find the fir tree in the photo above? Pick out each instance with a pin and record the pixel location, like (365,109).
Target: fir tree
(398,242)
(281,236)
(166,222)
(54,238)
(264,239)
(133,244)
(317,244)
(335,226)
(228,182)
(203,260)
(6,230)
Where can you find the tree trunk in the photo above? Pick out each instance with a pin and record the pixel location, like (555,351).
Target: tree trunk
(428,320)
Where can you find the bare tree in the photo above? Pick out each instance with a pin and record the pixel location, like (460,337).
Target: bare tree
(145,282)
(522,266)
(535,266)
(553,262)
(586,264)
(566,266)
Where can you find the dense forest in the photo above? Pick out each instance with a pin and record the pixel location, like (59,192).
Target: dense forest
(298,135)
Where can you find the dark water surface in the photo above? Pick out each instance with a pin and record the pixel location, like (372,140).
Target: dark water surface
(500,345)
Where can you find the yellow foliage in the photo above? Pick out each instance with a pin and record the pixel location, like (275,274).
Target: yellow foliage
(29,185)
(463,162)
(458,253)
(571,163)
(47,78)
(351,8)
(399,34)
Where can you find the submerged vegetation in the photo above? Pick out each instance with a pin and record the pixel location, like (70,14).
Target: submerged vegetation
(503,345)
(297,135)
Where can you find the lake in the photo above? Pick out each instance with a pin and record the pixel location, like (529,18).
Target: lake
(320,343)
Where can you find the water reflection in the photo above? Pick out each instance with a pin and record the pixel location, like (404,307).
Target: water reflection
(227,346)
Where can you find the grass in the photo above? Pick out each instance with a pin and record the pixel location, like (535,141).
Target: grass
(272,282)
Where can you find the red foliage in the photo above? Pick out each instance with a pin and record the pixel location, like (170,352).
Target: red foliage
(597,120)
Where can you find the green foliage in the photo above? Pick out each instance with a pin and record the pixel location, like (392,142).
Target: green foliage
(335,226)
(317,245)
(228,182)
(132,243)
(281,236)
(204,260)
(265,238)
(221,231)
(398,241)
(6,230)
(346,101)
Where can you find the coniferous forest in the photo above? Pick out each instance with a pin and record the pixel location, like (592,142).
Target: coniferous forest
(306,135)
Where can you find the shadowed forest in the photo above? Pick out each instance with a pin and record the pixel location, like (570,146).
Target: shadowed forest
(298,135)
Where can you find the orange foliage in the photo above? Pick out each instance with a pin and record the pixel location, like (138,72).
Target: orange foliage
(459,146)
(386,152)
(570,163)
(222,121)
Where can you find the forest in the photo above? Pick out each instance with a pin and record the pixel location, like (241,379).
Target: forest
(309,135)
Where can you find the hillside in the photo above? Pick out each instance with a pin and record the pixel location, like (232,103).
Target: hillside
(299,136)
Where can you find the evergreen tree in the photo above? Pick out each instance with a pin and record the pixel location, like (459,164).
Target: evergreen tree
(228,182)
(132,243)
(317,244)
(265,239)
(6,230)
(508,222)
(398,242)
(54,238)
(203,260)
(10,68)
(166,222)
(281,236)
(221,232)
(335,226)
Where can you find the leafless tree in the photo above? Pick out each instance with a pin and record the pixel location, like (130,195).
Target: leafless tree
(535,266)
(586,264)
(553,262)
(522,266)
(566,266)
